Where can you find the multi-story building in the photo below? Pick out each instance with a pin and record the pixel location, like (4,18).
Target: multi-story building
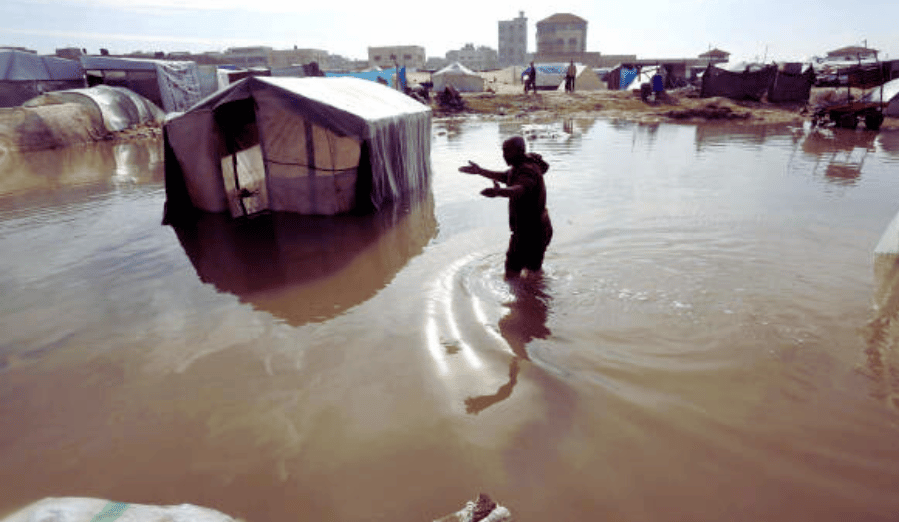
(562,33)
(410,56)
(853,53)
(481,58)
(513,41)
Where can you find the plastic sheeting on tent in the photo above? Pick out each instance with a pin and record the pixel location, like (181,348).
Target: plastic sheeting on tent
(372,76)
(118,108)
(748,85)
(460,77)
(305,145)
(890,97)
(79,509)
(26,75)
(172,85)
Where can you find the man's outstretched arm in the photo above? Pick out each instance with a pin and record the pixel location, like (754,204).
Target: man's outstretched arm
(495,175)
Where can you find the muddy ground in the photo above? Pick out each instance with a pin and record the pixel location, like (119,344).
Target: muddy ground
(683,105)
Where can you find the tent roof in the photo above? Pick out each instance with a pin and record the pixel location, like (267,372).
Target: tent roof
(890,91)
(19,65)
(342,104)
(457,68)
(126,64)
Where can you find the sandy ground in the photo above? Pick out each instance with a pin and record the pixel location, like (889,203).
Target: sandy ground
(504,97)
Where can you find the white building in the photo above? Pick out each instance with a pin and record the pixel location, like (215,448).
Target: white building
(513,41)
(410,56)
(481,58)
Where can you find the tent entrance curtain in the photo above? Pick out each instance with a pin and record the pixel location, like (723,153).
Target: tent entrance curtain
(243,168)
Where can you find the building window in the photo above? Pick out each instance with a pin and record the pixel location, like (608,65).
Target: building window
(377,57)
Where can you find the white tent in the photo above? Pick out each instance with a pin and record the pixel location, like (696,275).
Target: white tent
(460,77)
(585,79)
(890,97)
(305,145)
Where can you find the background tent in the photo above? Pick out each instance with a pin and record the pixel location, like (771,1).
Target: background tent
(890,97)
(25,75)
(746,85)
(621,77)
(305,145)
(791,87)
(115,108)
(172,85)
(552,76)
(460,77)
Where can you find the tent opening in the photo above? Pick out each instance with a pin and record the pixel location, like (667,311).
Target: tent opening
(243,169)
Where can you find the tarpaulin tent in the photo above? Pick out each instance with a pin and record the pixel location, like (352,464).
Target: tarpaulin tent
(305,145)
(791,87)
(116,107)
(460,77)
(747,85)
(621,77)
(172,85)
(372,76)
(25,75)
(890,97)
(552,76)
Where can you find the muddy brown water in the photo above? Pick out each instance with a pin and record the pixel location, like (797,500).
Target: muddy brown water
(698,348)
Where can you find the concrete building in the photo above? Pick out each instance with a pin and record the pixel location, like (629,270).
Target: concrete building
(248,56)
(513,41)
(481,58)
(715,56)
(410,56)
(561,33)
(69,53)
(853,53)
(296,56)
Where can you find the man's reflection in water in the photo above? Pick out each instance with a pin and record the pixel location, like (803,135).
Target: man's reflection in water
(526,321)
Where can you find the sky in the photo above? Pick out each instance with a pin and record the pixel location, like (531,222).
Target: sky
(763,30)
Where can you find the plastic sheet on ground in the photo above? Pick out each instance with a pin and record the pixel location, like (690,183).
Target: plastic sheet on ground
(77,509)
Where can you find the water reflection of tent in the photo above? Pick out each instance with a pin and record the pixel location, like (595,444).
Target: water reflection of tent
(308,268)
(306,145)
(844,152)
(460,77)
(25,75)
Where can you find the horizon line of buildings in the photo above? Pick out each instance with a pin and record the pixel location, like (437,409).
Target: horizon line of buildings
(561,37)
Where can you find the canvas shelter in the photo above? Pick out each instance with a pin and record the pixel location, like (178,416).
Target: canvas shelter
(791,86)
(585,79)
(460,77)
(115,108)
(621,77)
(25,75)
(890,97)
(747,85)
(318,146)
(172,85)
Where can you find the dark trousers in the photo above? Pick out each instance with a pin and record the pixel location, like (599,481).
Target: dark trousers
(527,247)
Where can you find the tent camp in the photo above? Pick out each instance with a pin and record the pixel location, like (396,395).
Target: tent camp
(890,97)
(115,108)
(172,85)
(460,77)
(622,77)
(25,75)
(305,145)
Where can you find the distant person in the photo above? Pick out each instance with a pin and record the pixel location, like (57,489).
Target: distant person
(528,218)
(530,78)
(658,86)
(570,74)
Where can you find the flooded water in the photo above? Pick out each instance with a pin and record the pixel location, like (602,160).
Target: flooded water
(708,340)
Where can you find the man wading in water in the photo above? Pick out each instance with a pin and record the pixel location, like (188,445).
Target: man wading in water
(528,218)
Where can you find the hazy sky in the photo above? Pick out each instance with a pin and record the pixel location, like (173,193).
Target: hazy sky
(780,30)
